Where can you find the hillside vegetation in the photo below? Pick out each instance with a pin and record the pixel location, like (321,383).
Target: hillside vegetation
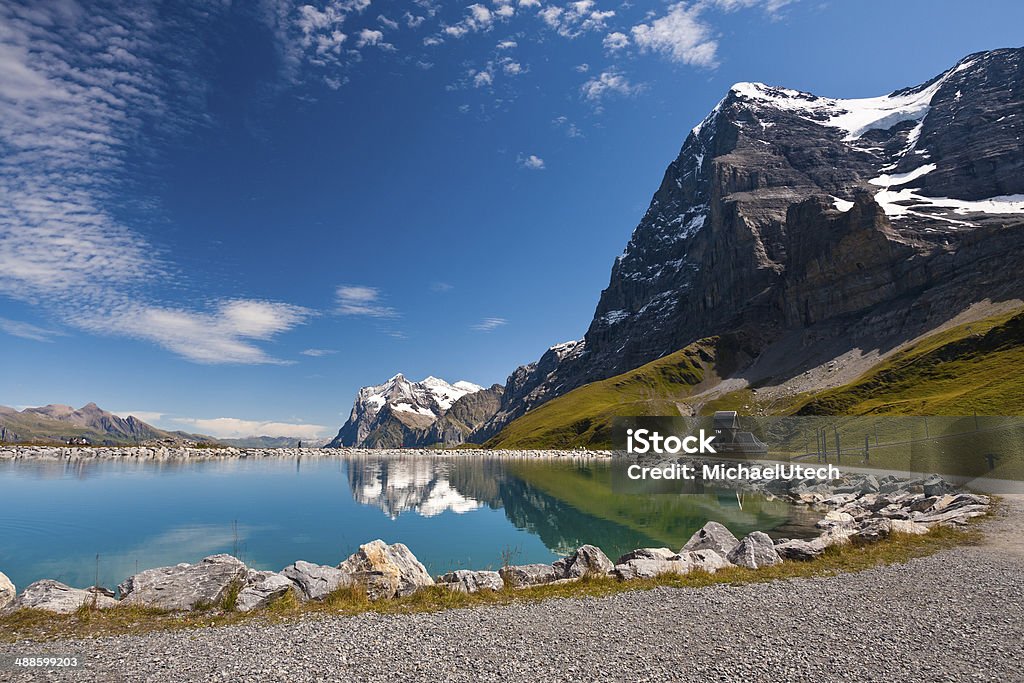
(583,417)
(971,368)
(966,369)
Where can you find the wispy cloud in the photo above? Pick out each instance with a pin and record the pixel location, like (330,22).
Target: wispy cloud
(224,334)
(489,324)
(77,90)
(441,287)
(235,428)
(318,353)
(362,300)
(611,82)
(18,328)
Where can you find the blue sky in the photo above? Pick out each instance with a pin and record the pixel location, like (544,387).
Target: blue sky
(229,216)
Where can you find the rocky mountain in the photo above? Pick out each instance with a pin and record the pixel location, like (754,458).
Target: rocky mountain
(402,413)
(61,423)
(809,228)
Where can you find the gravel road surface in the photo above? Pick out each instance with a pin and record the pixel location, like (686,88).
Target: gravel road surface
(956,616)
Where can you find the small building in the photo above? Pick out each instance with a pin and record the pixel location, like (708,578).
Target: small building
(730,440)
(79,441)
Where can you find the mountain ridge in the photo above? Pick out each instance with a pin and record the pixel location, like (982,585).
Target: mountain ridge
(804,222)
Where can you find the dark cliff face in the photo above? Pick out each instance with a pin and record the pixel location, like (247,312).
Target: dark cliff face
(786,210)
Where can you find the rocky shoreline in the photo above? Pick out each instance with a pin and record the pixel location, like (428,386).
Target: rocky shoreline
(144,453)
(857,509)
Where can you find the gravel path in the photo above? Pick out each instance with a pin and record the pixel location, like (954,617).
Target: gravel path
(956,616)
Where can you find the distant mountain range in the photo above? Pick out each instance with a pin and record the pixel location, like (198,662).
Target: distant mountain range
(402,414)
(57,423)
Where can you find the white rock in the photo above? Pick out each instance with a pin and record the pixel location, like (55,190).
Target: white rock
(387,571)
(316,581)
(54,596)
(262,588)
(7,591)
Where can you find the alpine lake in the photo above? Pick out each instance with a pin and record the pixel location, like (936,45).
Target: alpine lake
(80,520)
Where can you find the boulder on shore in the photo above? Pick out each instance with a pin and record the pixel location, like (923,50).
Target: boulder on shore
(755,551)
(262,588)
(7,591)
(184,586)
(387,571)
(647,554)
(712,536)
(587,560)
(519,576)
(467,581)
(801,550)
(706,560)
(54,596)
(648,569)
(315,581)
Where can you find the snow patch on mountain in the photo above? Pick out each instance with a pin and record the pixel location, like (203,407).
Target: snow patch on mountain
(855,116)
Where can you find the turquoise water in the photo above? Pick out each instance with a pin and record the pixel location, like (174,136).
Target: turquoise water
(57,517)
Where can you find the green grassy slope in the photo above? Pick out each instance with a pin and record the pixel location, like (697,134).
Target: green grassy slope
(977,367)
(583,417)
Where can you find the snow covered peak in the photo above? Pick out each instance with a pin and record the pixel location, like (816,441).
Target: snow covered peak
(855,116)
(432,396)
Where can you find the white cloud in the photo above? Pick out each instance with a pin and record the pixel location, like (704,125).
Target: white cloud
(318,353)
(441,287)
(570,128)
(615,41)
(489,324)
(235,428)
(507,45)
(388,23)
(223,335)
(575,18)
(512,68)
(482,78)
(769,6)
(680,35)
(608,82)
(369,37)
(531,162)
(479,18)
(362,300)
(582,68)
(529,3)
(25,330)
